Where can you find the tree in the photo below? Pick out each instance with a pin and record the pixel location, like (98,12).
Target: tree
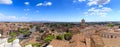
(110,25)
(36,45)
(49,38)
(41,31)
(37,28)
(11,40)
(31,26)
(13,34)
(59,37)
(26,33)
(67,36)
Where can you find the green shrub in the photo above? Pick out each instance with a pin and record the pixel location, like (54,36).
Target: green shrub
(49,38)
(36,45)
(67,36)
(26,32)
(60,37)
(11,40)
(13,34)
(110,25)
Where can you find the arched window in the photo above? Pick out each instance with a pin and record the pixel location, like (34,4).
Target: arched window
(111,36)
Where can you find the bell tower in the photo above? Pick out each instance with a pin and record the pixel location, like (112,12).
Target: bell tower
(83,23)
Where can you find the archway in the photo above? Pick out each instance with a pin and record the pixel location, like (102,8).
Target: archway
(111,36)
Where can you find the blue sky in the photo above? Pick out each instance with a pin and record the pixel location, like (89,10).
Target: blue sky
(59,10)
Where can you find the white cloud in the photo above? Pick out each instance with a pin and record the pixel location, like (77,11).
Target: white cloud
(74,1)
(49,3)
(98,11)
(106,9)
(100,6)
(44,4)
(6,2)
(39,4)
(12,18)
(26,3)
(81,0)
(97,2)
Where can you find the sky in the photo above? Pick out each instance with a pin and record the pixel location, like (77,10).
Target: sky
(59,10)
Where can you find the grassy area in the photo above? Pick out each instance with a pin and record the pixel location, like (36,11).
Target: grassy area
(11,40)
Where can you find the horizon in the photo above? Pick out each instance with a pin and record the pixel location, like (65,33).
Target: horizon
(60,21)
(59,10)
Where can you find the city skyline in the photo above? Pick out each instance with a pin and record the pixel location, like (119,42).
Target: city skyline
(59,10)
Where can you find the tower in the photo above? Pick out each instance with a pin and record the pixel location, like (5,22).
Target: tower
(83,23)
